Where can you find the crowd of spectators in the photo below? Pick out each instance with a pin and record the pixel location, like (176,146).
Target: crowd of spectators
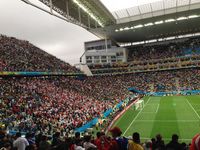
(58,105)
(113,141)
(40,103)
(20,55)
(163,50)
(45,104)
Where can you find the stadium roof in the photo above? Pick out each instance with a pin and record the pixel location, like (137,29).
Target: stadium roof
(89,13)
(157,8)
(156,20)
(145,22)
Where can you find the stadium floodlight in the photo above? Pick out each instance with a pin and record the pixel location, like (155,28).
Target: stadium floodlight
(132,28)
(85,9)
(116,30)
(159,22)
(138,26)
(121,29)
(148,24)
(181,18)
(193,16)
(170,20)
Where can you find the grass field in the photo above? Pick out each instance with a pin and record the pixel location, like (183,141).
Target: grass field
(165,115)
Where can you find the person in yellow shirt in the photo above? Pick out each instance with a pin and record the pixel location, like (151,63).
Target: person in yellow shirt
(134,144)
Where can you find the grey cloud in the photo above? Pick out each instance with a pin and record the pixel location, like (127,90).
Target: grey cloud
(51,34)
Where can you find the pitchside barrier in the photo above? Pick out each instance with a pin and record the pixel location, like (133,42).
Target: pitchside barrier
(93,122)
(120,114)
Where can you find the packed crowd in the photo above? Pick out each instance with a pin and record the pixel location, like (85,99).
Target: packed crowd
(45,104)
(20,55)
(163,50)
(33,103)
(58,105)
(41,141)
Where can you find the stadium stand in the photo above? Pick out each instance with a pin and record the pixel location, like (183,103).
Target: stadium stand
(167,55)
(49,108)
(20,55)
(38,104)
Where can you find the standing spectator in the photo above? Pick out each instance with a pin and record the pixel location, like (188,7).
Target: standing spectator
(134,144)
(78,145)
(174,144)
(44,144)
(159,143)
(118,143)
(88,145)
(56,142)
(97,141)
(20,143)
(195,145)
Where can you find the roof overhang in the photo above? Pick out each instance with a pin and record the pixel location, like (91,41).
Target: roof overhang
(152,27)
(87,13)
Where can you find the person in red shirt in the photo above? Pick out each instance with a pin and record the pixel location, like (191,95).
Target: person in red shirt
(116,133)
(97,141)
(195,145)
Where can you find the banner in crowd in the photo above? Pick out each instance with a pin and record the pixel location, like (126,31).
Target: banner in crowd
(9,73)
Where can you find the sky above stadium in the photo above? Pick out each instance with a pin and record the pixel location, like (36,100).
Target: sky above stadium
(57,37)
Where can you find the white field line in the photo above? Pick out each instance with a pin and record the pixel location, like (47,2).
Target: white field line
(149,112)
(145,138)
(166,120)
(157,108)
(158,105)
(192,108)
(136,117)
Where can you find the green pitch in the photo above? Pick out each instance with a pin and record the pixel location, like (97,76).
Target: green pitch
(165,115)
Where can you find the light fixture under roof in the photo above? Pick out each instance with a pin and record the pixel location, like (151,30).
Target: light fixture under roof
(126,28)
(170,20)
(181,18)
(116,30)
(159,22)
(138,26)
(193,16)
(148,24)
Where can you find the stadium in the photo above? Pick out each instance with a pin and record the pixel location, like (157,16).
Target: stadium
(135,88)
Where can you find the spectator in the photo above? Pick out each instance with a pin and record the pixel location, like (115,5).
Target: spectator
(174,144)
(159,143)
(78,145)
(56,140)
(44,144)
(118,142)
(88,145)
(195,145)
(20,143)
(98,140)
(135,144)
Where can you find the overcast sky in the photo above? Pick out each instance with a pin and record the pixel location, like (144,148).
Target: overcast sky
(62,39)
